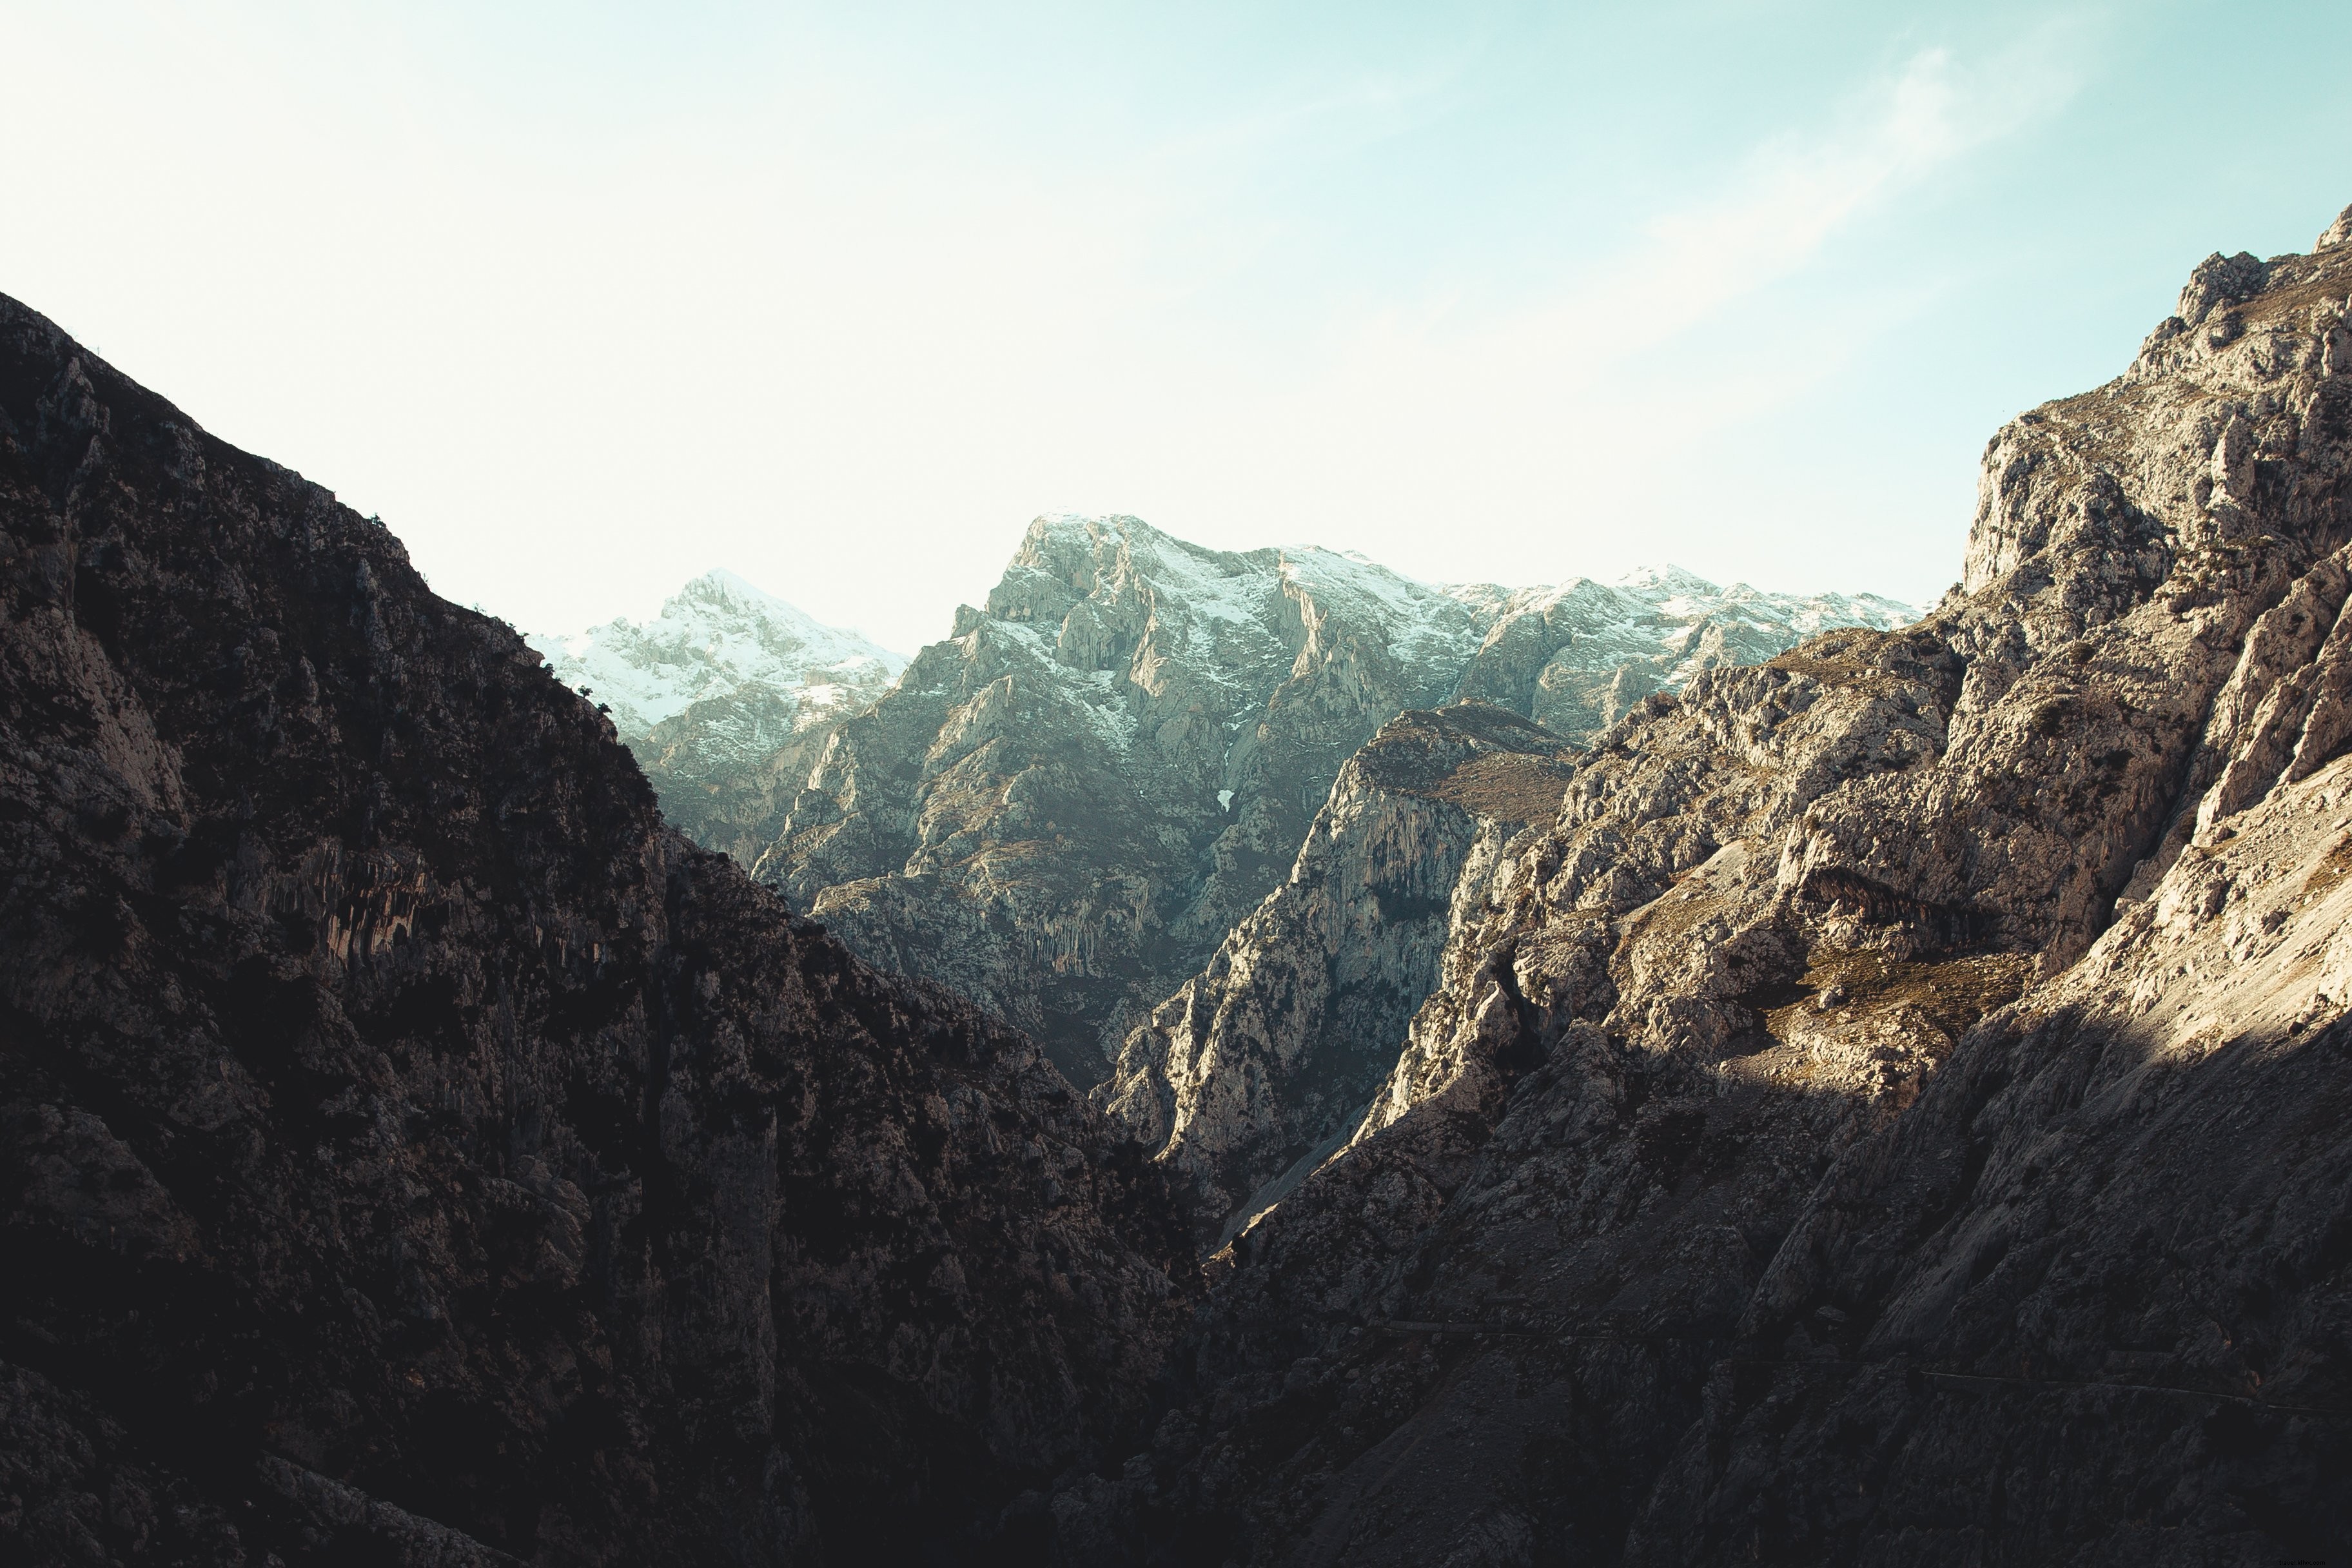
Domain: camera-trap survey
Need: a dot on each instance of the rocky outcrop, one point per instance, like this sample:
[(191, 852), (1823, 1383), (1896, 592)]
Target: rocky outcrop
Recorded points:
[(2125, 1206), (1897, 1110), (727, 698), (1893, 1108), (1063, 811), (413, 1152), (1269, 1055)]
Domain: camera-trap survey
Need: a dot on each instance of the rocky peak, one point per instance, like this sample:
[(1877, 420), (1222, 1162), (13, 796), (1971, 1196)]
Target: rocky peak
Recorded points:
[(1578, 656), (726, 696), (2335, 233), (1663, 586), (1064, 808), (717, 637), (2218, 283)]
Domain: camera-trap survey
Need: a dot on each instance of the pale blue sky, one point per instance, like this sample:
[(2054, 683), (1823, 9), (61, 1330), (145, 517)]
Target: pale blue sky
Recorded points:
[(585, 300)]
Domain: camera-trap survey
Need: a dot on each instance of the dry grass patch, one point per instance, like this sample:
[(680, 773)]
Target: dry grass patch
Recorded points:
[(2329, 874), (1510, 786), (1952, 993)]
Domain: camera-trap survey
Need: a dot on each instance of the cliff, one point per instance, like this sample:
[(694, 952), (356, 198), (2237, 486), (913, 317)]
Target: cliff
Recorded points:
[(1064, 810), (1061, 811)]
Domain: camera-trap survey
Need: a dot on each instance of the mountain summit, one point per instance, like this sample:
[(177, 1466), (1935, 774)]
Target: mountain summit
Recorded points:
[(726, 697), (1063, 807), (1576, 657)]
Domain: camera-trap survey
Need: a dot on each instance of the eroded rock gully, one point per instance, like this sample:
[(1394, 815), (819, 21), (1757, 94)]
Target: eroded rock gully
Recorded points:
[(1896, 1111), (411, 1152)]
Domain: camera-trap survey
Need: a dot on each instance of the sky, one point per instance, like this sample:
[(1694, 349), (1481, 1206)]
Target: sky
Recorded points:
[(585, 300)]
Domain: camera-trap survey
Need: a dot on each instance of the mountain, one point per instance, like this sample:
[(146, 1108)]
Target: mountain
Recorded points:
[(1064, 809), (726, 697), (1269, 1055), (416, 1153), (1892, 1103), (1899, 1107), (1060, 811)]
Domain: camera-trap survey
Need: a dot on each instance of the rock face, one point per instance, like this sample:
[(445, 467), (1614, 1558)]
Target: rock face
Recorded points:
[(415, 1152), (726, 697), (1274, 1049), (1061, 811), (1897, 1110)]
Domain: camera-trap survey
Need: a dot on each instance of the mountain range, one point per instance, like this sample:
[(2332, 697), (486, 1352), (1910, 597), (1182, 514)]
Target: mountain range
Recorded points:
[(1420, 1101), (1064, 808)]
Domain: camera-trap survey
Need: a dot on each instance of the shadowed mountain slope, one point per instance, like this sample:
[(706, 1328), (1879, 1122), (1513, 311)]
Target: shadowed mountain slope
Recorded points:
[(413, 1152)]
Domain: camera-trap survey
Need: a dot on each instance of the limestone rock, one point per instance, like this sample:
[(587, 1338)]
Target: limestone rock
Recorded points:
[(2335, 233), (1061, 811), (1577, 658)]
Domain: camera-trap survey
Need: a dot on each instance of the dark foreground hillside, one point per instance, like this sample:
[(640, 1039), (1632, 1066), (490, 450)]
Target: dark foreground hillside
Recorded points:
[(410, 1150)]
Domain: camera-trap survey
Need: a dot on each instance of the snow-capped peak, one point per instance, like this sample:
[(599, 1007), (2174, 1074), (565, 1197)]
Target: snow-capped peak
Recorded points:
[(1667, 582), (720, 586), (718, 636)]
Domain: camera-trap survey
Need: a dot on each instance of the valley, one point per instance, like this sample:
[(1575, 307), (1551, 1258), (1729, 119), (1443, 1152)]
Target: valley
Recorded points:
[(1227, 1058)]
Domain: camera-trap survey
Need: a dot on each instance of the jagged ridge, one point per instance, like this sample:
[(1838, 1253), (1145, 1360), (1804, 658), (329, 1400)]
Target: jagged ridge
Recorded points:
[(1064, 810)]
